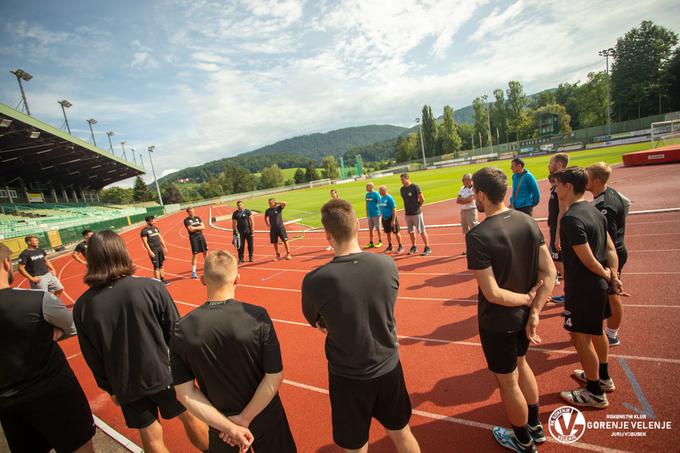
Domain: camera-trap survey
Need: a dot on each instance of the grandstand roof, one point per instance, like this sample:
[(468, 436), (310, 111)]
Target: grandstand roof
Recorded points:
[(54, 157)]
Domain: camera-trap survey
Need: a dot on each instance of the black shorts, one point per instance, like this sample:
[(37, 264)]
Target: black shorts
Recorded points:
[(61, 421), (529, 210), (586, 313), (501, 349), (556, 255), (623, 257), (276, 233), (143, 412), (355, 402), (387, 225), (158, 259), (198, 244)]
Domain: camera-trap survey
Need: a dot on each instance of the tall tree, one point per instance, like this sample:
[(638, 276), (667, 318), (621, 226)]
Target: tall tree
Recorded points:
[(640, 56), (405, 149), (466, 132), (591, 100), (566, 94), (271, 177), (116, 195), (499, 116), (671, 80), (517, 116), (481, 120), (330, 167), (171, 194), (211, 188), (311, 174), (140, 191), (429, 128), (449, 138), (299, 176)]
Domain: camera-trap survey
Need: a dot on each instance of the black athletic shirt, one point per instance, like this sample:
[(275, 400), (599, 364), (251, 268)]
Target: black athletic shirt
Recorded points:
[(228, 347), (615, 209), (124, 330), (582, 224), (242, 220), (193, 221), (152, 235), (553, 209), (410, 196), (34, 261), (82, 248), (32, 364), (354, 297), (509, 243), (274, 216)]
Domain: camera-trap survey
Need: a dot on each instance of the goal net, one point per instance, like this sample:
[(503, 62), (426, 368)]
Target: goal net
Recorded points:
[(665, 133)]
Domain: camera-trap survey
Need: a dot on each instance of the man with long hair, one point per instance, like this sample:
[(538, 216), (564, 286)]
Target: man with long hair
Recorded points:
[(124, 327)]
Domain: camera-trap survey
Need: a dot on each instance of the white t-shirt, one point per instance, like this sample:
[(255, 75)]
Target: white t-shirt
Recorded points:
[(464, 193)]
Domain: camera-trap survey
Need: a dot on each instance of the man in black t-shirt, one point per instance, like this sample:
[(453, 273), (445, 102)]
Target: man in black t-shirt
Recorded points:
[(515, 275), (37, 385), (34, 265), (413, 201), (615, 208), (590, 272), (231, 348), (124, 328), (274, 220), (242, 223), (195, 227), (155, 247), (558, 162), (351, 300), (80, 252)]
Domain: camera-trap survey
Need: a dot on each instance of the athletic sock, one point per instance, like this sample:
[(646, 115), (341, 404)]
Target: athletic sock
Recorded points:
[(594, 387), (193, 269), (522, 434), (533, 415), (604, 371), (613, 333)]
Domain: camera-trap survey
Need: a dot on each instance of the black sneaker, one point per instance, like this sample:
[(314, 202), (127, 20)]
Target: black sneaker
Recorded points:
[(426, 251), (506, 438), (400, 249), (413, 250), (537, 433), (240, 261), (250, 260), (388, 249), (165, 282)]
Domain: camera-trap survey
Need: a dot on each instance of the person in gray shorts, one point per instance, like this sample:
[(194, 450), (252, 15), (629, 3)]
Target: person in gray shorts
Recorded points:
[(413, 201), (34, 265), (373, 215)]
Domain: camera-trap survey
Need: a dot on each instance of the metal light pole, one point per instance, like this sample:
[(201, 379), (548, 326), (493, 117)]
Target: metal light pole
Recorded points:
[(25, 76), (150, 149), (133, 155), (92, 121), (422, 142), (65, 105), (488, 121), (141, 160), (109, 134), (122, 145), (606, 53)]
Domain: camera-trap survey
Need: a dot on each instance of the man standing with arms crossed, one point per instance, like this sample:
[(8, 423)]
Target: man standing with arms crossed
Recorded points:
[(525, 193), (615, 208), (557, 163), (155, 246), (373, 215), (195, 227), (231, 348), (34, 265), (351, 300), (468, 208), (388, 209), (274, 220), (515, 275), (242, 223), (413, 201), (80, 252)]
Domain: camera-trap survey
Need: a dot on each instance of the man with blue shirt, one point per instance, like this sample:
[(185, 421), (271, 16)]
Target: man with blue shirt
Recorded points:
[(388, 210), (373, 215), (525, 194)]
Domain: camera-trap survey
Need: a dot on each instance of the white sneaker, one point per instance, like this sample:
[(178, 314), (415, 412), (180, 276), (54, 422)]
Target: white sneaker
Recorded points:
[(607, 384), (583, 397)]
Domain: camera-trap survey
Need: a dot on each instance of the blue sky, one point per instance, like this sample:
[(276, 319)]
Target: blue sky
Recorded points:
[(203, 80)]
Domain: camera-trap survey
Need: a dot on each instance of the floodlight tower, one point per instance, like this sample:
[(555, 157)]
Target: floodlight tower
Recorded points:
[(488, 121), (422, 142), (109, 134), (122, 145), (606, 53), (133, 155), (25, 76), (65, 105), (158, 189), (92, 121)]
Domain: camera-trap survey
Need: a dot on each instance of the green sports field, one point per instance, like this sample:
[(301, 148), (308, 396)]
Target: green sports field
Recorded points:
[(437, 185)]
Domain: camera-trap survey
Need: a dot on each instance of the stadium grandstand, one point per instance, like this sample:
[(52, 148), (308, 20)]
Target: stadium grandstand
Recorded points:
[(49, 184)]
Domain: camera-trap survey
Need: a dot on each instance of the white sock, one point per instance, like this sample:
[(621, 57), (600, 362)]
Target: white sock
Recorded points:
[(193, 269), (612, 332)]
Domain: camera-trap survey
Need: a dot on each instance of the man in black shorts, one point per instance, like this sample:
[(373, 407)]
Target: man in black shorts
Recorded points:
[(242, 223), (515, 274), (42, 406), (558, 162), (615, 208), (590, 273), (231, 348), (34, 265), (124, 327), (80, 252), (390, 222), (195, 227), (351, 300), (155, 247), (274, 220)]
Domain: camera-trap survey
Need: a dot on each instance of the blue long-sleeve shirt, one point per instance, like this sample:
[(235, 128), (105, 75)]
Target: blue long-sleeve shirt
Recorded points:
[(527, 192)]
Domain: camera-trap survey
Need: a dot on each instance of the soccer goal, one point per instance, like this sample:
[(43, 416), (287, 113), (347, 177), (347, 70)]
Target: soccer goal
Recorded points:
[(665, 133)]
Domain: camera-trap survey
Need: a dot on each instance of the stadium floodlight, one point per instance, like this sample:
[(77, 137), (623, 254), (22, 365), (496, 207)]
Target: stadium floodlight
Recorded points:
[(488, 123), (5, 122), (92, 121), (65, 105), (422, 142), (35, 134), (109, 134), (25, 76), (133, 155), (155, 181), (606, 53), (122, 145)]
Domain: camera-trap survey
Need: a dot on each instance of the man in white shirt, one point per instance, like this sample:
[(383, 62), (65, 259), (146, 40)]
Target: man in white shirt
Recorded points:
[(468, 208)]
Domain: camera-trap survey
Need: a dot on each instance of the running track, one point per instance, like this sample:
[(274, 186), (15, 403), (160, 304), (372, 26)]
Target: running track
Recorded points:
[(454, 397)]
